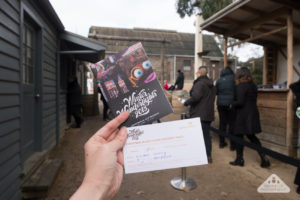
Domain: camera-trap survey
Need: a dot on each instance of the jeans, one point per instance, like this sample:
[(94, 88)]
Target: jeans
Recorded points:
[(207, 139), (226, 118)]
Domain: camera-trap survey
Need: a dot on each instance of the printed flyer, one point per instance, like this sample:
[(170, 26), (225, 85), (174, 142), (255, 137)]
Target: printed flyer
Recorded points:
[(128, 83)]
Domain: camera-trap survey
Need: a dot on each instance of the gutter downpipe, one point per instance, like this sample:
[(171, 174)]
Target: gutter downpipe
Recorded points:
[(174, 67), (58, 93)]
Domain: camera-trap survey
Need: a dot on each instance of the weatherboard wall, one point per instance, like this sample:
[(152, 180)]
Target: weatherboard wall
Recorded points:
[(11, 164), (10, 160)]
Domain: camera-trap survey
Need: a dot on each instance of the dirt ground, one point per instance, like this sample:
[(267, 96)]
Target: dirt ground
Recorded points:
[(216, 181)]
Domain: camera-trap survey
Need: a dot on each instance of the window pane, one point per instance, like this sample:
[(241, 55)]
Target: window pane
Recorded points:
[(24, 55), (29, 38), (30, 74), (186, 63), (24, 73), (28, 54), (24, 34)]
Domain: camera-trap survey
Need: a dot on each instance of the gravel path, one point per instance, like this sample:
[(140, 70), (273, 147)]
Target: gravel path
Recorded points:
[(216, 181)]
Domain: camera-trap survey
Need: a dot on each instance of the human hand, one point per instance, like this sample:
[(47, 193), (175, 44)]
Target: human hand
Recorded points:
[(185, 103), (104, 162)]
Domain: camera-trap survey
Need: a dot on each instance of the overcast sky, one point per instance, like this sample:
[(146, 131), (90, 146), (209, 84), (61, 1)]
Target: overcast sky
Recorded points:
[(79, 15)]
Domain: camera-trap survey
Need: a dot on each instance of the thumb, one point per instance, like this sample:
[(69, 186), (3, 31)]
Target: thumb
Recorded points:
[(119, 141)]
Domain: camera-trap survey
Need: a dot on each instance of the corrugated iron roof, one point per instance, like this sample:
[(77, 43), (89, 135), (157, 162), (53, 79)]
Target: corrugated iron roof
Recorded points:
[(229, 20), (178, 43)]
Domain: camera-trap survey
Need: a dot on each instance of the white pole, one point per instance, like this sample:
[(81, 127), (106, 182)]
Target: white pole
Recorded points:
[(174, 67), (198, 43)]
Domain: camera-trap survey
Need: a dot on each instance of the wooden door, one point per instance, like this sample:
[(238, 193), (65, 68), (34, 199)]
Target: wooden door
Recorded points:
[(29, 85)]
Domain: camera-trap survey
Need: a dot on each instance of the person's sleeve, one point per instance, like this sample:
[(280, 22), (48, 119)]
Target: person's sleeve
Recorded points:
[(240, 97), (295, 87), (196, 96), (234, 90)]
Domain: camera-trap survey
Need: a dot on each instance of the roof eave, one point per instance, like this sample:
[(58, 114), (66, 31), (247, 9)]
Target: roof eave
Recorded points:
[(78, 39), (228, 9), (52, 14)]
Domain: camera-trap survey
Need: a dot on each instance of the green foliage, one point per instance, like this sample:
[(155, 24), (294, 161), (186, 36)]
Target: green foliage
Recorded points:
[(220, 41), (257, 74), (208, 7), (184, 7)]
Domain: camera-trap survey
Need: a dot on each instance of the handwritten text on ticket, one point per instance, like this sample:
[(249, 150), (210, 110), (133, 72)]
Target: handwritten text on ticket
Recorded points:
[(164, 145)]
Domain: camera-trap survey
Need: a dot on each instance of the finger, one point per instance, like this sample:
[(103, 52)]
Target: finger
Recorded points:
[(119, 141), (99, 139), (113, 135), (111, 126), (95, 139), (120, 157)]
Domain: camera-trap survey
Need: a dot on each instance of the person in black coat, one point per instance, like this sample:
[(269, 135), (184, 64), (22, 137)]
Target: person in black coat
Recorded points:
[(74, 100), (247, 115), (180, 80), (202, 100), (226, 92), (295, 87)]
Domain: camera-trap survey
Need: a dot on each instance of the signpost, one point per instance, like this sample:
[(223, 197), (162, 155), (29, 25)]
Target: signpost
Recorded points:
[(183, 183)]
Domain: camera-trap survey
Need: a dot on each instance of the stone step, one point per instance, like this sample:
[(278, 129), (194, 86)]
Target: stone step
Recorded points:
[(32, 164), (40, 181)]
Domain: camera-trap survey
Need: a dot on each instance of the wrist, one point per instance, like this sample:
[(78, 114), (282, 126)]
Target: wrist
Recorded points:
[(88, 190)]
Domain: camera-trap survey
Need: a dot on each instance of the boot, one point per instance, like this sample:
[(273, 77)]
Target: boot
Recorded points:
[(298, 190), (222, 145), (232, 148), (209, 159), (237, 162), (265, 163)]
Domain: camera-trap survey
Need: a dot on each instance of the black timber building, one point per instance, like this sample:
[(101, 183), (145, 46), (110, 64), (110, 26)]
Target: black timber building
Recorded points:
[(179, 49), (36, 57)]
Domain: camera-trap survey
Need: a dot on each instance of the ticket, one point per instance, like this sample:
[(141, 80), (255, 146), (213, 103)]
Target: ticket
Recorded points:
[(164, 146)]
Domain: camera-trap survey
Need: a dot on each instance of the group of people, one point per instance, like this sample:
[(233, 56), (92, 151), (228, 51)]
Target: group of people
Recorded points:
[(236, 104), (74, 103), (178, 83), (238, 113)]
